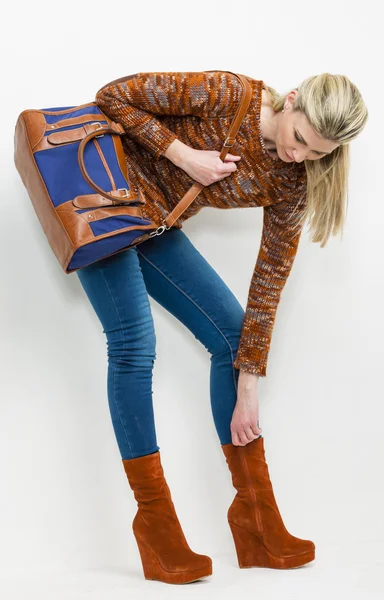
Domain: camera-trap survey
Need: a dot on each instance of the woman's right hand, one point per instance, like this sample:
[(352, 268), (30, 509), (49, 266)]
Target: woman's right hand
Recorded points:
[(203, 166), (206, 167)]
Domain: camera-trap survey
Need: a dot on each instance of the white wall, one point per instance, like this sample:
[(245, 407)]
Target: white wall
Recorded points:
[(65, 502)]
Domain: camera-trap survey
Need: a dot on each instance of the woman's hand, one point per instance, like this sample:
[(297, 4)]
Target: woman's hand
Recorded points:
[(206, 167), (203, 166), (245, 418)]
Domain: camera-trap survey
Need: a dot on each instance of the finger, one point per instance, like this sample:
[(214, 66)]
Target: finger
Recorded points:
[(250, 434), (229, 162), (256, 429), (228, 168), (235, 439), (232, 157), (244, 438)]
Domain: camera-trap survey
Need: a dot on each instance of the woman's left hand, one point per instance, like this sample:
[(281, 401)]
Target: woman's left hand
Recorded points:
[(245, 418)]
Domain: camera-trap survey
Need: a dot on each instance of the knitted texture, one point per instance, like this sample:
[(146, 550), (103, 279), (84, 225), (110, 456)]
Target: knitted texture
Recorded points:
[(197, 108)]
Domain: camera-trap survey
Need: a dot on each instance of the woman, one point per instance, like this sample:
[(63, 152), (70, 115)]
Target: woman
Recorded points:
[(291, 157)]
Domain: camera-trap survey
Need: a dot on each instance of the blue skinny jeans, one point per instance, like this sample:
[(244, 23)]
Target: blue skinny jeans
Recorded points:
[(173, 272)]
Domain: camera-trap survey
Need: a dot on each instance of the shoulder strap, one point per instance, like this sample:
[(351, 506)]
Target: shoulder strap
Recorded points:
[(196, 188)]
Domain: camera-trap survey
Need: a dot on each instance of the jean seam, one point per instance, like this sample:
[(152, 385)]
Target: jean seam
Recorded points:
[(117, 368), (199, 307)]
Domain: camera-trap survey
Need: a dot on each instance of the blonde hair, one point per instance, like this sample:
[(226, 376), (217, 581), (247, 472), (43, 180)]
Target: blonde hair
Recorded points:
[(335, 109)]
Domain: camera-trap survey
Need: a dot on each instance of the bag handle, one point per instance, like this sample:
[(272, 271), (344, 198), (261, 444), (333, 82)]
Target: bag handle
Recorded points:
[(115, 129)]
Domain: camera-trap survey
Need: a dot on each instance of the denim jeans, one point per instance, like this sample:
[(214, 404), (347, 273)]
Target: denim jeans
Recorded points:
[(172, 271)]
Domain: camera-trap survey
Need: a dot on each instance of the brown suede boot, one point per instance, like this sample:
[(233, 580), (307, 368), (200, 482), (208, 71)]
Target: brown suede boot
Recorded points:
[(260, 537), (164, 550)]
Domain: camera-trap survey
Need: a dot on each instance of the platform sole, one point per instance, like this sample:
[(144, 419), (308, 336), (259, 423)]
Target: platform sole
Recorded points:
[(153, 570), (251, 552)]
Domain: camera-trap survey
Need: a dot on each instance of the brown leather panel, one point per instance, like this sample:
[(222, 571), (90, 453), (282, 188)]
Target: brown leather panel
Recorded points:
[(75, 121), (121, 158), (141, 197), (100, 212), (72, 135), (92, 200), (118, 127), (81, 132), (77, 223), (80, 231), (43, 145), (77, 228), (103, 213), (35, 126), (58, 239)]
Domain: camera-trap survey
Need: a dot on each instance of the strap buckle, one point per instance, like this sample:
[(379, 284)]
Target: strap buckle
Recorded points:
[(229, 142), (159, 230), (100, 126)]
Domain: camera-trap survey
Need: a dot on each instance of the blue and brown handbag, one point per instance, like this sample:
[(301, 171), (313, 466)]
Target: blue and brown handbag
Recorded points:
[(72, 163)]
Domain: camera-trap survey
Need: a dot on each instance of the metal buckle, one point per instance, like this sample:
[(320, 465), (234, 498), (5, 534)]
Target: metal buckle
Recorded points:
[(226, 145), (123, 190), (159, 230), (100, 126)]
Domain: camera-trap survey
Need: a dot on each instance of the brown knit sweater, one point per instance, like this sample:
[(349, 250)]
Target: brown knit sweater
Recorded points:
[(198, 108)]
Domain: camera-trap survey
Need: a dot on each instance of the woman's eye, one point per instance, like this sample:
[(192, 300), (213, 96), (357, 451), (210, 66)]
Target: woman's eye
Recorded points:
[(299, 140)]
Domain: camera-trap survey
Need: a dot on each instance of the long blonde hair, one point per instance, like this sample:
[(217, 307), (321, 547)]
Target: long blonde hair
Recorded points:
[(335, 109)]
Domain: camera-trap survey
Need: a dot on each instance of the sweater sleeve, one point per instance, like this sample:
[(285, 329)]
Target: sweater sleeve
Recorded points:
[(139, 101), (278, 247)]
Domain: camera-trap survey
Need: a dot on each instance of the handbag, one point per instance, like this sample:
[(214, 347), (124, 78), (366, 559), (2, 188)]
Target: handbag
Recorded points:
[(72, 163)]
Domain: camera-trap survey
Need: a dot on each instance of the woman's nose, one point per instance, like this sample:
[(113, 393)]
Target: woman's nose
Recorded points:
[(299, 155)]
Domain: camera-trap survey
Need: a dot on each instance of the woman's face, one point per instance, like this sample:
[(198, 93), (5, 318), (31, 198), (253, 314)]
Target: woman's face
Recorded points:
[(295, 136)]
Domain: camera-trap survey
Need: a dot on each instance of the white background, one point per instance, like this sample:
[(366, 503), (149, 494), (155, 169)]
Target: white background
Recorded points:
[(65, 503)]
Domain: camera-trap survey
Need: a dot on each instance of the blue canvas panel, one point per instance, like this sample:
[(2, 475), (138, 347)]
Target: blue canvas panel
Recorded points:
[(58, 108), (108, 148), (110, 224), (60, 170), (99, 249), (89, 110)]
